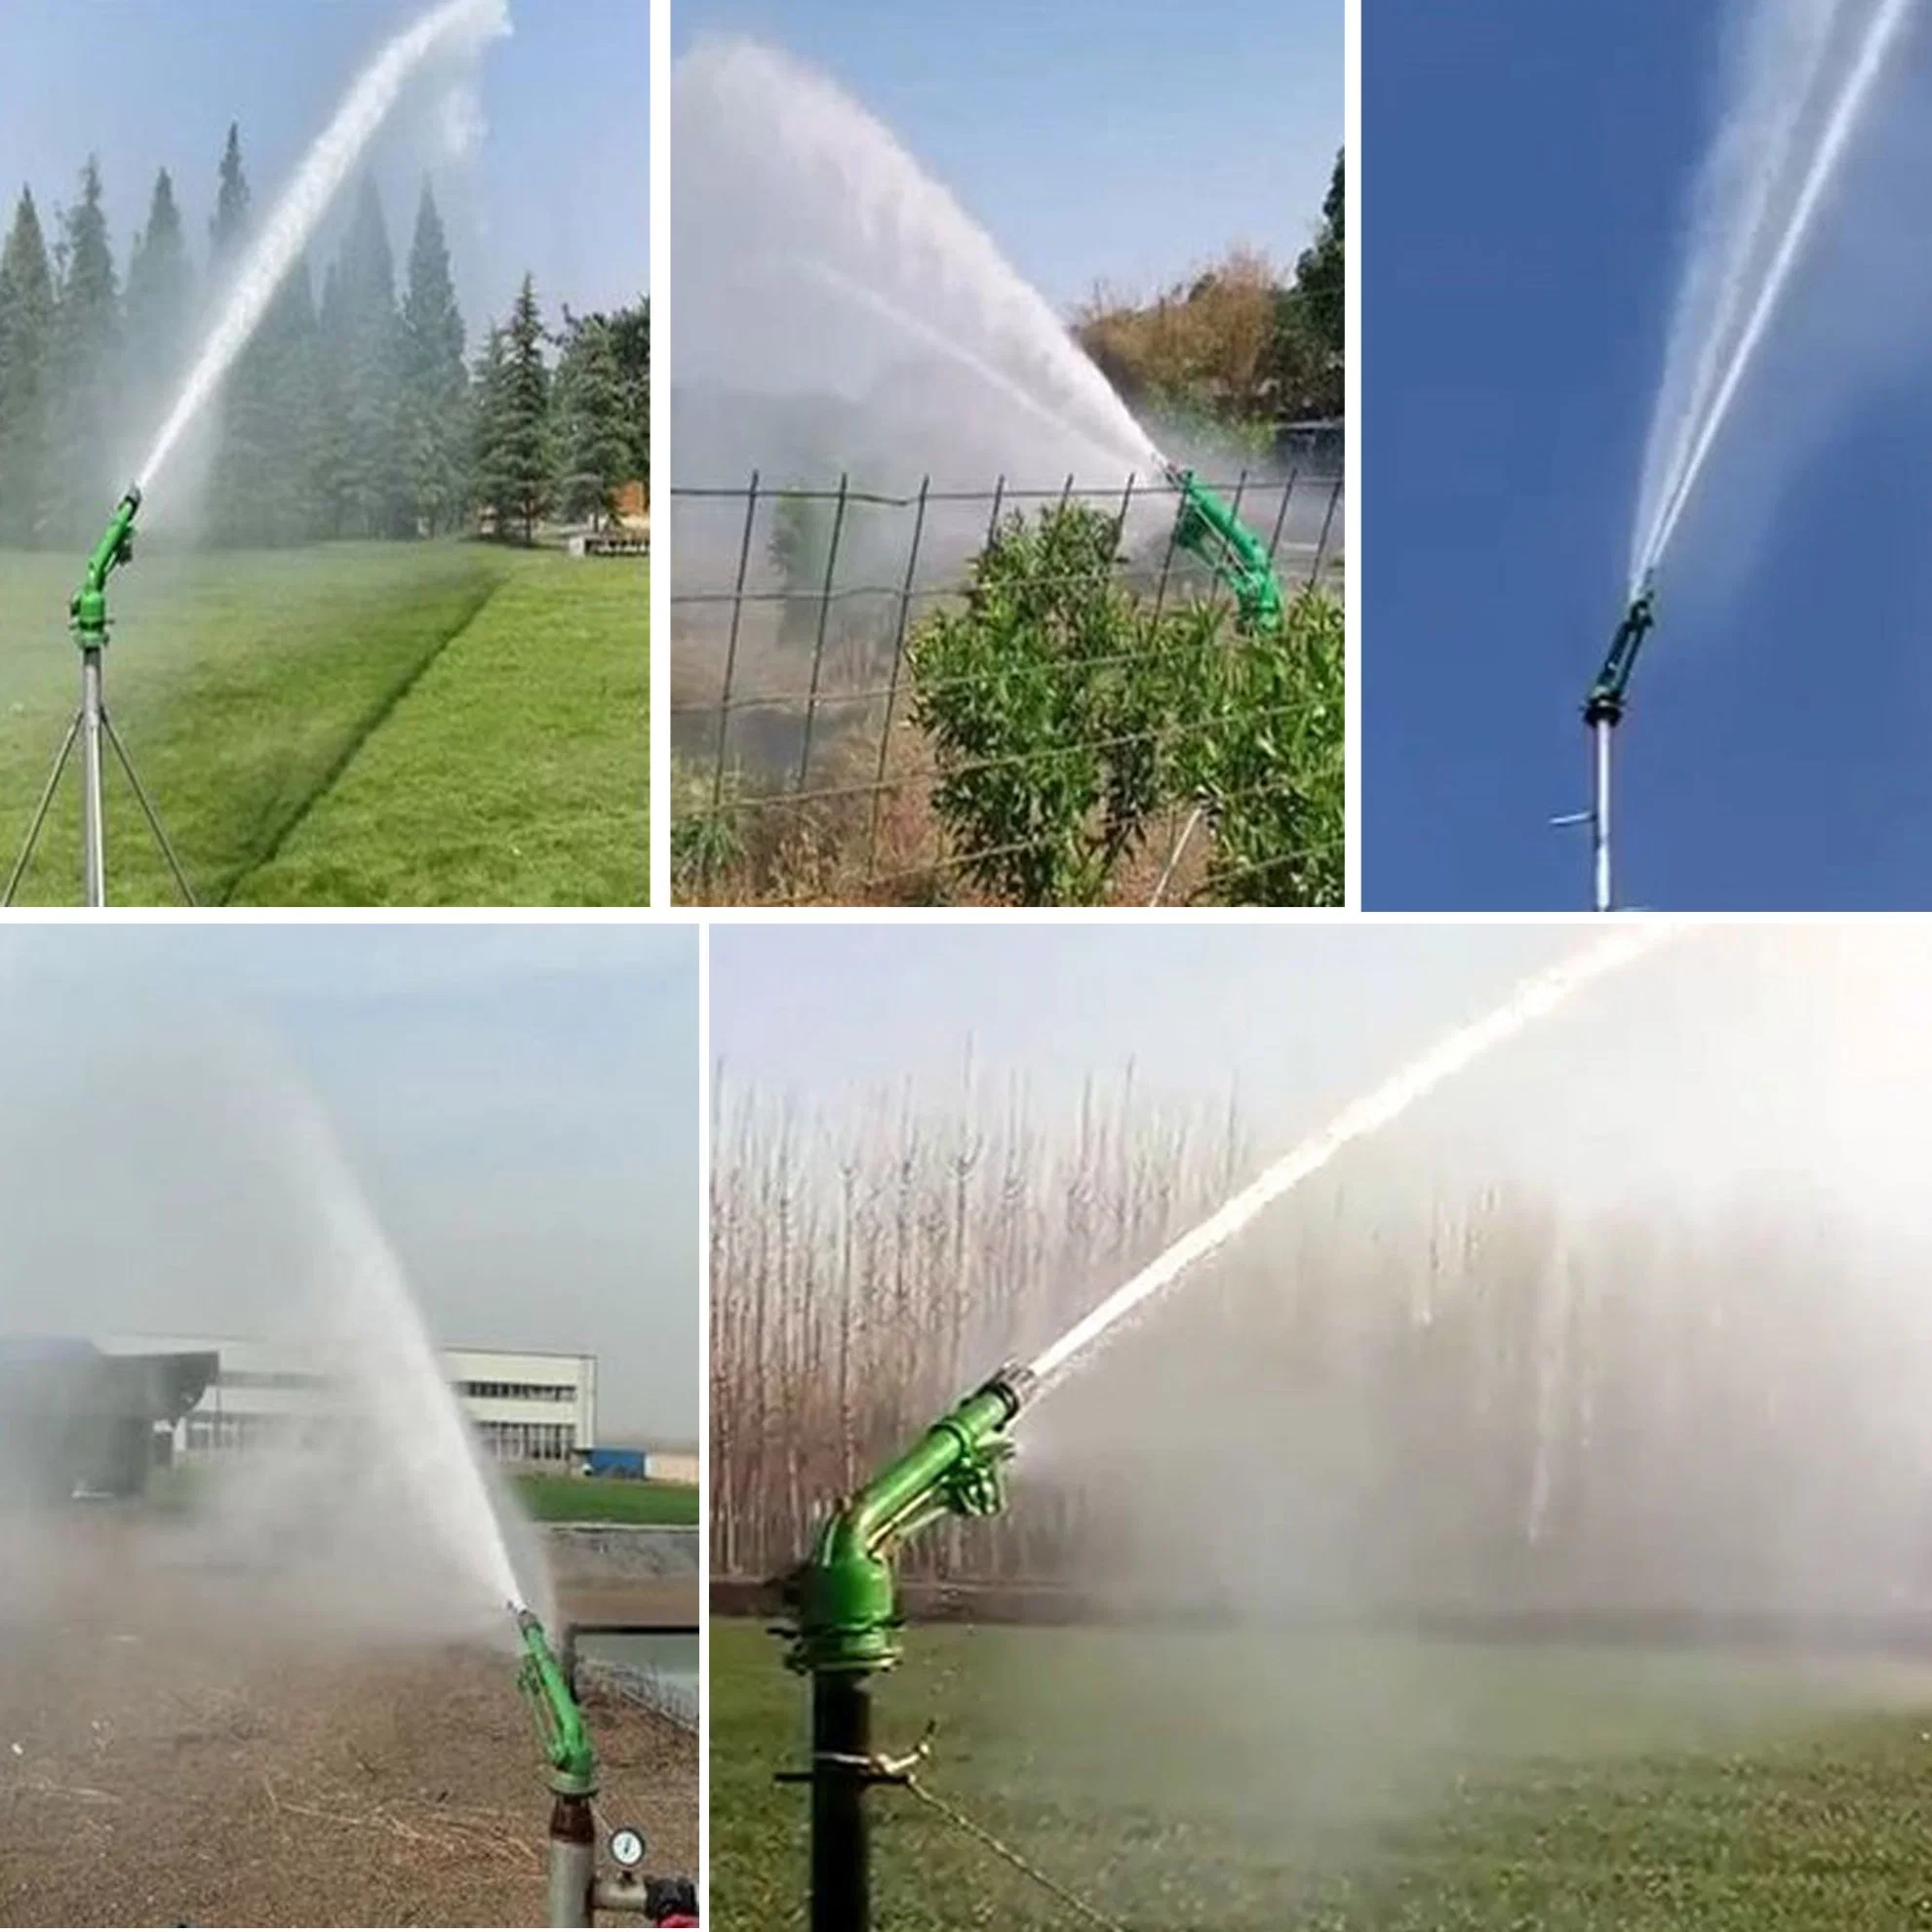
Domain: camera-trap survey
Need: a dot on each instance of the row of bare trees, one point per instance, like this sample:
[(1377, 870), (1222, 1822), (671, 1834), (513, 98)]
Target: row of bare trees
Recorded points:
[(1391, 1394)]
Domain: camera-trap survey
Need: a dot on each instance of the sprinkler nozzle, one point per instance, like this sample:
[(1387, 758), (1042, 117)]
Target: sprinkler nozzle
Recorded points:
[(1604, 704), (559, 1721), (845, 1594), (1209, 527), (88, 607)]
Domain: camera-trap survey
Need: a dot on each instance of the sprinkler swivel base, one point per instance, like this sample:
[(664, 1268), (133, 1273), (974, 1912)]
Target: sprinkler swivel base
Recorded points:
[(846, 1596)]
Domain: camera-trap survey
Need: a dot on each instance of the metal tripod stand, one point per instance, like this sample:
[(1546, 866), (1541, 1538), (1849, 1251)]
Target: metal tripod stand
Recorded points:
[(90, 726)]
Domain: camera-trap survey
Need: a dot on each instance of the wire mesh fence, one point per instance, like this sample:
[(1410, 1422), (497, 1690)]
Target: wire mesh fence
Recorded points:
[(802, 770)]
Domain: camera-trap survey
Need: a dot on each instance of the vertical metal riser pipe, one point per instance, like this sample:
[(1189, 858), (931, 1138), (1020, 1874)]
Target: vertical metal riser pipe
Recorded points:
[(94, 837), (1599, 814), (841, 1756)]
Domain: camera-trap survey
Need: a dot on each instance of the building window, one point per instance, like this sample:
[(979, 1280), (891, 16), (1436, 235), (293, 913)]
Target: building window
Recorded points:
[(518, 1391), (528, 1441)]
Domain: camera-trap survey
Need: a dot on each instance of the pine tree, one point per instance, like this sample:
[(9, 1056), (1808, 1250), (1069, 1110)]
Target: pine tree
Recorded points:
[(329, 457), (435, 384), (160, 299), (630, 342), (229, 226), (490, 480), (594, 430), (27, 345), (523, 438), (375, 494), (292, 377), (250, 453), (86, 337)]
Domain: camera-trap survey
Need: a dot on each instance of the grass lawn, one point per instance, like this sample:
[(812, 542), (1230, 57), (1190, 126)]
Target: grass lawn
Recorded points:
[(349, 723), (1234, 1782), (606, 1499)]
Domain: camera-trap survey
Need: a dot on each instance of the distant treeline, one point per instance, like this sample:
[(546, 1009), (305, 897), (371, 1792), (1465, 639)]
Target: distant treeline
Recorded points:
[(1384, 1397), (1237, 344), (357, 415)]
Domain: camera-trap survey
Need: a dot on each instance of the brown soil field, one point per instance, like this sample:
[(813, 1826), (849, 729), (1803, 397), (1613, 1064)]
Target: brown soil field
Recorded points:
[(178, 1747)]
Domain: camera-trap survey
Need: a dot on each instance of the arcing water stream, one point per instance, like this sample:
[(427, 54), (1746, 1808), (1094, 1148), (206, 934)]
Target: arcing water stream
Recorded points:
[(1534, 1000), (456, 26), (816, 257), (1805, 73), (375, 1332)]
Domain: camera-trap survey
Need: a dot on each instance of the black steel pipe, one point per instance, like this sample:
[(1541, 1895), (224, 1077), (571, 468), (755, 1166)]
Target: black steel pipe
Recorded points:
[(841, 1770)]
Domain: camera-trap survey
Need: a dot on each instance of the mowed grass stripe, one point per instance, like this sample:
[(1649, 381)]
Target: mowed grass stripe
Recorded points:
[(515, 771), (241, 684)]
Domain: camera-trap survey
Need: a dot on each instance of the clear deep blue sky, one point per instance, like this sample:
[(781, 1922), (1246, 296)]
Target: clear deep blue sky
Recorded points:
[(560, 184), (520, 1102), (1525, 167), (1123, 142)]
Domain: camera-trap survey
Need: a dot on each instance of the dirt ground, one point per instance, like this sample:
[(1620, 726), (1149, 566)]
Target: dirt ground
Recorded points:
[(179, 1749)]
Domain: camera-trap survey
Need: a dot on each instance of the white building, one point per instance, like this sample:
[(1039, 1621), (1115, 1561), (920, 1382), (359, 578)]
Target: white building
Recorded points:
[(525, 1406)]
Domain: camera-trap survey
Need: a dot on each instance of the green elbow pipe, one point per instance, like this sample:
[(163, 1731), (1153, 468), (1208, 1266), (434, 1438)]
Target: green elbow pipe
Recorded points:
[(1209, 529), (566, 1741), (89, 605), (847, 1593)]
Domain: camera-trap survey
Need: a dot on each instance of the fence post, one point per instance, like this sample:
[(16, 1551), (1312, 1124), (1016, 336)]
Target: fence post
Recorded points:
[(731, 664), (1282, 515), (892, 682), (998, 503), (1328, 525), (824, 614), (1166, 564)]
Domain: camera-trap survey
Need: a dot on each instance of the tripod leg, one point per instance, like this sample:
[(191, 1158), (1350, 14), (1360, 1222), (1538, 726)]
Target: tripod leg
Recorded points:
[(40, 812), (153, 817)]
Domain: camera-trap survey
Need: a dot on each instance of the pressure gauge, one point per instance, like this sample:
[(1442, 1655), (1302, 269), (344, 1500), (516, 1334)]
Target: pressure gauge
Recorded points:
[(627, 1847)]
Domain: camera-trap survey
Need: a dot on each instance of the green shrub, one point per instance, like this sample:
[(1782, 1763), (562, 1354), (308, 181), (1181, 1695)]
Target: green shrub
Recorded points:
[(1046, 713), (1064, 717)]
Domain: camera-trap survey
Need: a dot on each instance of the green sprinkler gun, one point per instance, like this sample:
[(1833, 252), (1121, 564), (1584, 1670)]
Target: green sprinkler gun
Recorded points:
[(559, 1722), (1209, 527), (575, 1893), (846, 1600), (88, 607), (91, 729)]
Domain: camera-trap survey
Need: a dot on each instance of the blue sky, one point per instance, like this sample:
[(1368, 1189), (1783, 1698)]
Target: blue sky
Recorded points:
[(1116, 140), (1526, 168), (560, 184), (520, 1103)]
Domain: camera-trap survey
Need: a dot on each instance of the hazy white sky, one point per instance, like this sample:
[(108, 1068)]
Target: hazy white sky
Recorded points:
[(520, 1103), (1792, 1060)]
